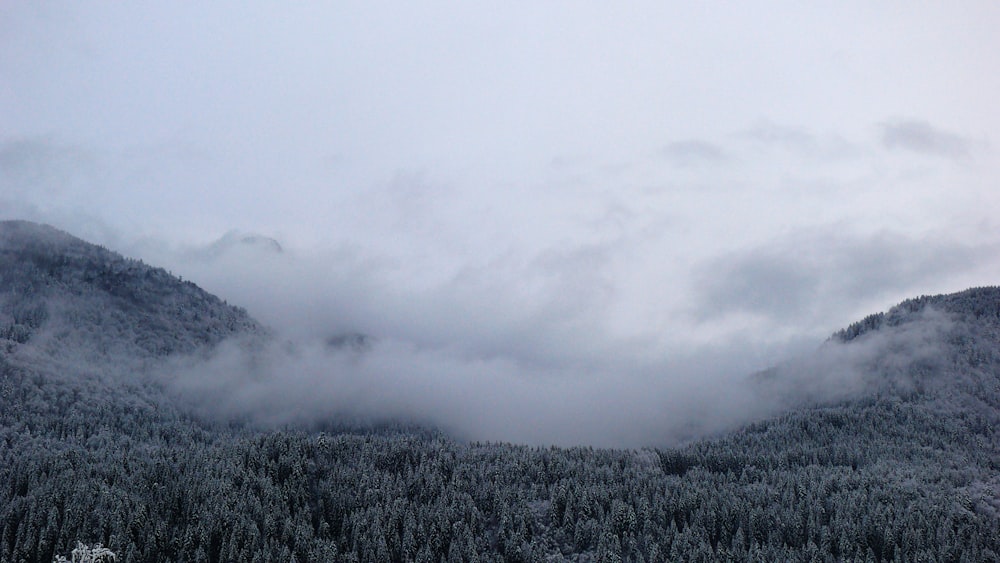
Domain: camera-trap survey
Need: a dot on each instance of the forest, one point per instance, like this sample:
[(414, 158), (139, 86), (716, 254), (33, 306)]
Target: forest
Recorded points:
[(94, 449)]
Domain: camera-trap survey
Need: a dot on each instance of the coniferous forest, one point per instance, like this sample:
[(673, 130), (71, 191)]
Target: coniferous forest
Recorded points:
[(95, 450)]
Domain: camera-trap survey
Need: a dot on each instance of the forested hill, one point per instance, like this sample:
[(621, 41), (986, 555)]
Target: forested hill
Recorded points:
[(906, 467), (78, 300)]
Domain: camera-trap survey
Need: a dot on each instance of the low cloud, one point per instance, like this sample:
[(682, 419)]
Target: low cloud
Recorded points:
[(923, 138), (898, 359), (502, 399), (472, 397)]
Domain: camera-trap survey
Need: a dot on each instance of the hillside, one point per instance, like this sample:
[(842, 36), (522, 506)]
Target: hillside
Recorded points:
[(903, 467), (69, 297)]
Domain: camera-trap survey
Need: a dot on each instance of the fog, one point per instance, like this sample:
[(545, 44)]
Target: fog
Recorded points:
[(501, 365), (485, 359)]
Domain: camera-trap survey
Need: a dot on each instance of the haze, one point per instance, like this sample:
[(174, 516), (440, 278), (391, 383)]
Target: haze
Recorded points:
[(590, 210)]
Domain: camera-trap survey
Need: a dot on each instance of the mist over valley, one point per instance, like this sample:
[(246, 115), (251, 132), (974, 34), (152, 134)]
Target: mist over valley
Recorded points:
[(441, 282)]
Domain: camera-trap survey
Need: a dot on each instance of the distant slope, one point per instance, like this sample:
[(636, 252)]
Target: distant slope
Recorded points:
[(78, 300)]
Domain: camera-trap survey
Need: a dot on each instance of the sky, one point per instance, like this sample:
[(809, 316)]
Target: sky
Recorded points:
[(639, 196)]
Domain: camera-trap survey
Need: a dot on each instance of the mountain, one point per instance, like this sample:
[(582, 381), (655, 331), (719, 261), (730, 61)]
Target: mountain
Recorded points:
[(901, 464)]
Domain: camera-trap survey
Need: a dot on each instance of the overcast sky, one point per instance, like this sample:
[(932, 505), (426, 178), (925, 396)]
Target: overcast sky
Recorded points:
[(555, 184)]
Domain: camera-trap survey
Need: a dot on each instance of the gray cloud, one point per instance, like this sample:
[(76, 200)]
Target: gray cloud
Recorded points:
[(801, 141), (921, 137), (796, 138), (810, 274), (759, 281), (693, 152), (894, 263)]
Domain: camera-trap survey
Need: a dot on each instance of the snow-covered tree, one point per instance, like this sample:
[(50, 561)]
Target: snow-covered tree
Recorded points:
[(85, 554)]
